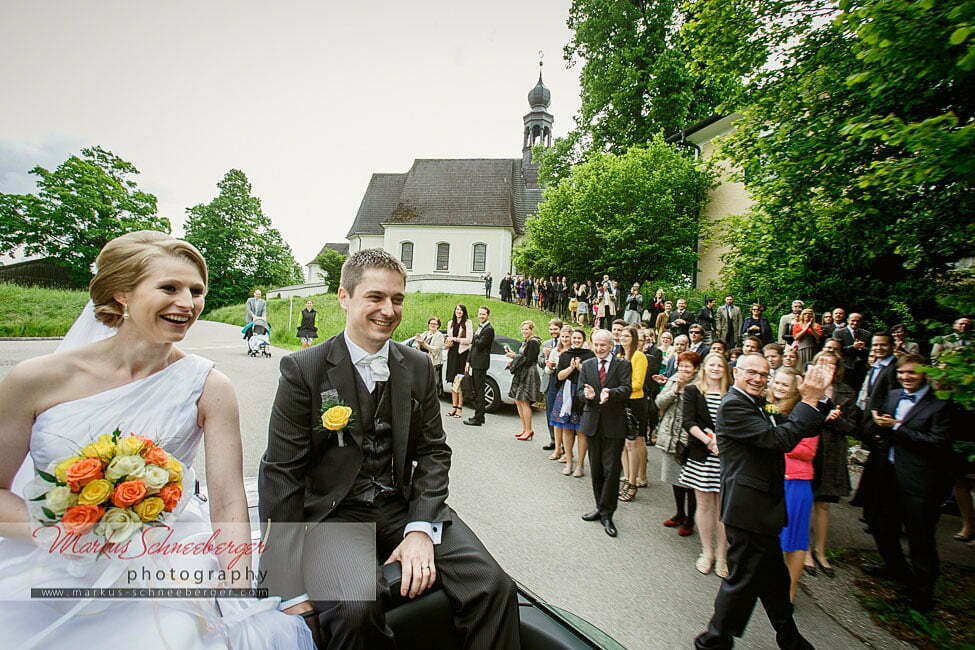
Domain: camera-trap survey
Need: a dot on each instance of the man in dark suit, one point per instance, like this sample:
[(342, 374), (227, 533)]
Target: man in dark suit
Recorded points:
[(385, 467), (680, 319), (697, 343), (604, 387), (856, 349), (478, 363), (706, 319), (752, 446), (916, 426)]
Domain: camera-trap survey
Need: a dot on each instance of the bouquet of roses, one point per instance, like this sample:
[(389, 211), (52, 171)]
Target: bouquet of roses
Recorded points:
[(114, 487)]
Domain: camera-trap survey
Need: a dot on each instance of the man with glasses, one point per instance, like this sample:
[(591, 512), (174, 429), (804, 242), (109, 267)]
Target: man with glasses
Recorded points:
[(752, 444), (697, 342)]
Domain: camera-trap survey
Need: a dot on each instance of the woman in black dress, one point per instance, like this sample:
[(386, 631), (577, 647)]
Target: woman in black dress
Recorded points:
[(307, 331), (460, 333), (525, 384)]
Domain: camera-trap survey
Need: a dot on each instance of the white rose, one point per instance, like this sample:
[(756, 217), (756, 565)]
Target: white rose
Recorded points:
[(122, 466), (154, 476), (60, 499), (118, 525)]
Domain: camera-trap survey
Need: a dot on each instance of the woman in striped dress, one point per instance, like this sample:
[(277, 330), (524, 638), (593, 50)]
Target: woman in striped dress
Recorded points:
[(702, 471)]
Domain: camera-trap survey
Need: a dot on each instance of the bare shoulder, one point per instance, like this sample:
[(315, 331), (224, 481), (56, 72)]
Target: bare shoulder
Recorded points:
[(218, 393)]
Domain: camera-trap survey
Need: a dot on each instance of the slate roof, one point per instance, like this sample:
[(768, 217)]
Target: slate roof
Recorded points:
[(339, 247), (448, 192)]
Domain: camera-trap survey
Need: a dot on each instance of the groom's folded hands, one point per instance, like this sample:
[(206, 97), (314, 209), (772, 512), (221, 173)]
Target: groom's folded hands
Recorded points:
[(415, 555)]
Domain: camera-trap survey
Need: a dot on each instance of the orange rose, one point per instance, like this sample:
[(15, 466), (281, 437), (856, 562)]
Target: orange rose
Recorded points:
[(78, 520), (156, 456), (171, 494), (128, 493), (84, 472), (146, 443)]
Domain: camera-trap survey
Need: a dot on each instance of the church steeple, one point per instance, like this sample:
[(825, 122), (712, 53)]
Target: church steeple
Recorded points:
[(538, 127)]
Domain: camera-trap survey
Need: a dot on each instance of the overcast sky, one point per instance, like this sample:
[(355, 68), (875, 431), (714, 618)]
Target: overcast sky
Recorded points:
[(307, 98)]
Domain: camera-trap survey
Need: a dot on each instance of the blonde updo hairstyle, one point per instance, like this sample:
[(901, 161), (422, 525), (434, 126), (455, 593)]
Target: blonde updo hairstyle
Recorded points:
[(124, 262)]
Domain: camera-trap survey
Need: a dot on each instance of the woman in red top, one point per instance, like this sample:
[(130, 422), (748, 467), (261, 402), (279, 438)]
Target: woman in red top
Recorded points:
[(806, 334)]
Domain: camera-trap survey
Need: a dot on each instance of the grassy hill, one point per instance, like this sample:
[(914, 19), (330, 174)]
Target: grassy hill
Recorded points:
[(419, 308), (33, 311)]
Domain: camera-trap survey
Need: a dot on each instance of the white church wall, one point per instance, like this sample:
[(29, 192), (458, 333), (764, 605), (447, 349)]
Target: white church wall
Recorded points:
[(459, 277)]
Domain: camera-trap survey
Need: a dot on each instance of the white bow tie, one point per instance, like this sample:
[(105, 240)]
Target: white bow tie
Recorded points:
[(377, 366)]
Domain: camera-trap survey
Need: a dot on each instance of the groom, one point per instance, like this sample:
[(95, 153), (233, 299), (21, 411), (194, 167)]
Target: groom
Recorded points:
[(388, 468)]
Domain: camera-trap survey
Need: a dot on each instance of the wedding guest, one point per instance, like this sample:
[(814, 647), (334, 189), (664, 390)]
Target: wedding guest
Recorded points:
[(681, 319), (901, 345), (706, 318), (806, 334), (307, 331), (563, 342), (733, 355), (548, 381), (650, 390), (432, 342), (702, 470), (634, 306), (697, 343), (827, 327), (662, 318), (755, 324), (256, 306), (831, 477), (856, 346), (836, 348), (751, 345), (679, 347), (665, 341), (787, 321), (672, 442), (790, 359), (728, 322), (656, 306), (783, 395), (837, 319), (460, 333), (478, 362), (773, 354), (525, 380), (635, 448), (566, 411), (719, 347), (961, 335), (582, 309)]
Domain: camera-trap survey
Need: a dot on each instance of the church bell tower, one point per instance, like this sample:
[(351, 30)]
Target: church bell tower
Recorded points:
[(538, 128)]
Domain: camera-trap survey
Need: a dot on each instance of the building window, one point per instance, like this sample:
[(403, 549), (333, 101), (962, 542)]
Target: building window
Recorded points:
[(406, 254), (479, 260), (443, 256)]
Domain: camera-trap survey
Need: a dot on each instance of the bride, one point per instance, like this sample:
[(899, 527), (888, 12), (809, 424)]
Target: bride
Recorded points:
[(148, 291)]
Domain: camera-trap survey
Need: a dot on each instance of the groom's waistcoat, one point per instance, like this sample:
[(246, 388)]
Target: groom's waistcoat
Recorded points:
[(376, 473)]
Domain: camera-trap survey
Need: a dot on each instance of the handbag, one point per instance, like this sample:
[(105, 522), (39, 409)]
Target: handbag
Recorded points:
[(467, 385), (680, 452)]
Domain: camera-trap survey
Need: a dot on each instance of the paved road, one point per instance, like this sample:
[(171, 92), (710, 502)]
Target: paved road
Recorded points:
[(641, 588)]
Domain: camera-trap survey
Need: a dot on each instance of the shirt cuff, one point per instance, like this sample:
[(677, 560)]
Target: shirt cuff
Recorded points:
[(433, 530), (294, 601)]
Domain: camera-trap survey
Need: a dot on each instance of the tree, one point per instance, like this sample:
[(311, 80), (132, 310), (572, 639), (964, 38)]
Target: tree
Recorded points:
[(859, 158), (638, 79), (78, 208), (635, 216), (331, 264), (243, 251)]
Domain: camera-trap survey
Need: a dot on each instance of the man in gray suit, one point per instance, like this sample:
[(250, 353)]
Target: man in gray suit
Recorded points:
[(387, 467), (728, 322), (256, 306)]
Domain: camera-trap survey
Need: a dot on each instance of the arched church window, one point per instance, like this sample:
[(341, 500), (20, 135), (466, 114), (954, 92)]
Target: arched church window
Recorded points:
[(479, 259), (443, 256), (406, 254)]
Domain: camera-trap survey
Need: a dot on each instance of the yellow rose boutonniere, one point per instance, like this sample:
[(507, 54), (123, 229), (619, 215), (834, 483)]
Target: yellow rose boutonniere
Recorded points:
[(336, 415), (771, 409)]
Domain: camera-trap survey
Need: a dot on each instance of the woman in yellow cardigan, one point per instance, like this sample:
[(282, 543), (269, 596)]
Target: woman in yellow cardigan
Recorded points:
[(635, 451)]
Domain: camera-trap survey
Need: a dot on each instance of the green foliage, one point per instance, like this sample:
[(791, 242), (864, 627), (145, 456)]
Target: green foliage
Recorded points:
[(638, 79), (33, 311), (417, 310), (78, 208), (331, 264), (635, 216), (243, 251), (856, 146)]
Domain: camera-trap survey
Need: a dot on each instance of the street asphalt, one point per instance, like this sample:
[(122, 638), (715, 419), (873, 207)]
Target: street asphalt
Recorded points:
[(641, 588)]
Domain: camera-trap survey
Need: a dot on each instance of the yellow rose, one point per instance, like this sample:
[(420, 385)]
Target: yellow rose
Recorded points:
[(102, 449), (130, 446), (96, 492), (61, 469), (336, 418), (175, 469), (149, 509)]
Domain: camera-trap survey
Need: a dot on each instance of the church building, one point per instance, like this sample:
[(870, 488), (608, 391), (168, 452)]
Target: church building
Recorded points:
[(452, 221)]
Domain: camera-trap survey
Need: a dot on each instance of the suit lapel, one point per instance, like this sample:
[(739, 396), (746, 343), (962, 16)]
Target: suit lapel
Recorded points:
[(399, 387), (919, 408), (341, 376)]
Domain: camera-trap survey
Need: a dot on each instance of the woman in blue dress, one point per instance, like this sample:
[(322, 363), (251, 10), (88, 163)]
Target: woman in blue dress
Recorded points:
[(566, 414)]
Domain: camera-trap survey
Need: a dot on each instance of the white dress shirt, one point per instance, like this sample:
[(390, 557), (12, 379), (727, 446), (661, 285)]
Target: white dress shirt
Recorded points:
[(904, 407)]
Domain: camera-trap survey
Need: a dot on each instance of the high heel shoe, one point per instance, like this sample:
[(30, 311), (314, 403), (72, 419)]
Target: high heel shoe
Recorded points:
[(556, 455), (827, 570), (567, 470), (456, 412), (526, 436), (579, 473), (721, 568)]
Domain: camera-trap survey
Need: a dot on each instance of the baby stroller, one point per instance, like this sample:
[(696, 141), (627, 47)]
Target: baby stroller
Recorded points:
[(257, 333)]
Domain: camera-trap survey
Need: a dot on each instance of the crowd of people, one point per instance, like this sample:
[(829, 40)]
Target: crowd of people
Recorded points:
[(681, 366)]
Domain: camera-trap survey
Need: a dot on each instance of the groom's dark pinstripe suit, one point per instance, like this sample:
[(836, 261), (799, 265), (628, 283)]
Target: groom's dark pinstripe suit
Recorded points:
[(306, 476)]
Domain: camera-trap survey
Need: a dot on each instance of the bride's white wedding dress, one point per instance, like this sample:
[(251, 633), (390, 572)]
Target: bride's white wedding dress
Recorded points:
[(162, 407)]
